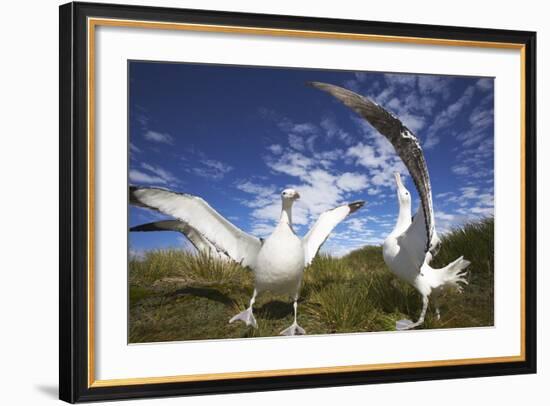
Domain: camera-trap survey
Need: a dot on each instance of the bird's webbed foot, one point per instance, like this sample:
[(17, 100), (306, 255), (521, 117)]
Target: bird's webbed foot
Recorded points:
[(247, 316), (293, 330), (406, 325)]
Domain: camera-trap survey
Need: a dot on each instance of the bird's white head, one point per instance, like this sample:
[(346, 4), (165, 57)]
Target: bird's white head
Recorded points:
[(289, 195), (403, 194)]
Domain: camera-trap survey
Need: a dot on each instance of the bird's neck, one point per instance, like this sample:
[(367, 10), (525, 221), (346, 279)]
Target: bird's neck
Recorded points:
[(403, 219), (286, 213)]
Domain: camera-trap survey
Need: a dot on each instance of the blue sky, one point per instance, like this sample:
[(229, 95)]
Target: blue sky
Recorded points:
[(237, 136)]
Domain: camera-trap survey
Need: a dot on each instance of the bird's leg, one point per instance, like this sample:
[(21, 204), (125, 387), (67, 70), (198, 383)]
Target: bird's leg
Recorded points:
[(436, 305), (247, 316), (294, 328), (407, 324)]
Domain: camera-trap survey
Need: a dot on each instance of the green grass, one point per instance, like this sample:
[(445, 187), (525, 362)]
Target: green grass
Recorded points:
[(176, 295)]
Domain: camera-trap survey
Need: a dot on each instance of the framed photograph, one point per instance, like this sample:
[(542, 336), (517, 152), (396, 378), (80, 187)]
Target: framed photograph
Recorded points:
[(257, 202)]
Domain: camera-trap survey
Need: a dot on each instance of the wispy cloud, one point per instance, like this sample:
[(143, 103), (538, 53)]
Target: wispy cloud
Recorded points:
[(151, 174), (134, 149), (446, 117), (200, 164), (379, 158), (137, 176), (275, 149), (333, 130), (167, 176), (155, 136), (468, 203), (213, 169)]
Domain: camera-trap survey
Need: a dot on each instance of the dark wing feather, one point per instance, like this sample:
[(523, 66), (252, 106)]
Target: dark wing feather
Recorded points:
[(403, 140), (199, 241)]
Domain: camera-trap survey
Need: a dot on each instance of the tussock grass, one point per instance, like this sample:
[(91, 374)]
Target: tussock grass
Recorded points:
[(177, 295), (342, 307)]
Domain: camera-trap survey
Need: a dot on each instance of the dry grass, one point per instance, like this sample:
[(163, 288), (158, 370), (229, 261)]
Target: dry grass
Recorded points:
[(176, 295)]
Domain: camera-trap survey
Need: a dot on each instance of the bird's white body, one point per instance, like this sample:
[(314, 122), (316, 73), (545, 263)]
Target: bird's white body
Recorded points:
[(400, 249), (280, 262), (405, 257)]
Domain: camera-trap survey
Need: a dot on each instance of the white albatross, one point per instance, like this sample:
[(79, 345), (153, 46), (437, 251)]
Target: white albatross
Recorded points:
[(411, 246), (278, 262), (403, 253)]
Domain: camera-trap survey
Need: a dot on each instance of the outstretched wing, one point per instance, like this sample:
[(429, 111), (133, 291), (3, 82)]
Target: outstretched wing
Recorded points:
[(208, 223), (324, 226), (198, 241), (403, 140)]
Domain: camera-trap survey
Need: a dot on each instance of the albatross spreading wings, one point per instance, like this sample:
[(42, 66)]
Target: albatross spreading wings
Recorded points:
[(208, 230), (403, 140)]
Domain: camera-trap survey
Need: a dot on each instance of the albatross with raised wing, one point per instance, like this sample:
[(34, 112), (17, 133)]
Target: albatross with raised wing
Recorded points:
[(278, 262), (411, 246)]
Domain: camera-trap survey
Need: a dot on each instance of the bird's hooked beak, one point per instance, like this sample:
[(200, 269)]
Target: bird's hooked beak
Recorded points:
[(297, 196), (398, 181)]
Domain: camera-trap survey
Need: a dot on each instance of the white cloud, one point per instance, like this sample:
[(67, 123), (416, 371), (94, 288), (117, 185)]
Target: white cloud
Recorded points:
[(358, 224), (161, 173), (156, 136), (326, 159), (352, 182), (400, 79), (460, 169), (217, 168), (199, 164), (134, 149), (481, 117), (263, 195), (446, 117), (292, 163), (276, 149), (137, 176), (254, 188), (296, 142), (471, 203), (485, 84), (303, 128), (333, 130), (435, 84), (380, 160), (151, 174), (366, 155)]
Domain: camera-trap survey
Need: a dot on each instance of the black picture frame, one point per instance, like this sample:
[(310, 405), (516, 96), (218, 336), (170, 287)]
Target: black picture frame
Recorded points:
[(74, 199)]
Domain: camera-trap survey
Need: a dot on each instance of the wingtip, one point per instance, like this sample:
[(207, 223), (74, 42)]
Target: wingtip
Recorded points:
[(318, 85), (353, 207)]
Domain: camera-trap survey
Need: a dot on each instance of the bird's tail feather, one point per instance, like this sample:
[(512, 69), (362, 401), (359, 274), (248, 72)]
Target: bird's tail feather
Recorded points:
[(451, 276)]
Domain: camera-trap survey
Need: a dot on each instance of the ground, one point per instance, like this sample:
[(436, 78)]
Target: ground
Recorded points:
[(177, 295)]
